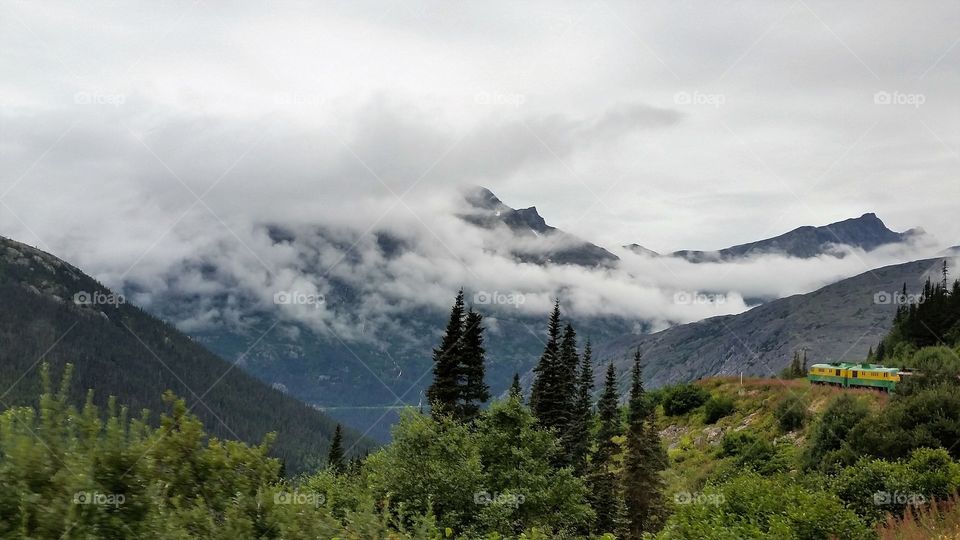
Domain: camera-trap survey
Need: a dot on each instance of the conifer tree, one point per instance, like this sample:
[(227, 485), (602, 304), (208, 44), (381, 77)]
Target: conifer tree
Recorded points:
[(444, 393), (582, 412), (473, 390), (545, 398), (335, 459), (644, 460), (566, 399), (516, 391), (605, 492)]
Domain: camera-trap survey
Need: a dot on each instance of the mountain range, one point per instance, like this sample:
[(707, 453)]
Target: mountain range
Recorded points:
[(55, 314), (364, 379), (866, 232), (363, 382)]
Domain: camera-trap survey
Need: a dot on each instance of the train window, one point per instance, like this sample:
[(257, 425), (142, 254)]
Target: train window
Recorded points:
[(854, 374), (838, 373)]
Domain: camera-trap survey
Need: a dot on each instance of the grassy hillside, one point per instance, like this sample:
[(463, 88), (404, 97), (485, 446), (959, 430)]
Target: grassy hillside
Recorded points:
[(117, 349), (693, 444)]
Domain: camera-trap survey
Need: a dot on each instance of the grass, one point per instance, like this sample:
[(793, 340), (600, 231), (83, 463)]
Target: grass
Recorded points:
[(939, 520)]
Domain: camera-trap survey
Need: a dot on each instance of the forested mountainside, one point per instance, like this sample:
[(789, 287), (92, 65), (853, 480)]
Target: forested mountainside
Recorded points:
[(53, 313)]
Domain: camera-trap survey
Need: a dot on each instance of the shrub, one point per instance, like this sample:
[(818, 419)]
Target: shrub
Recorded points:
[(683, 398), (716, 408), (753, 506), (791, 412), (874, 487), (828, 446), (751, 452)]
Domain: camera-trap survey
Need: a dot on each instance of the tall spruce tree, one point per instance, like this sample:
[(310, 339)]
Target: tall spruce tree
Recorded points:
[(516, 391), (582, 413), (335, 458), (604, 488), (444, 392), (473, 390), (643, 462), (547, 403), (566, 401)]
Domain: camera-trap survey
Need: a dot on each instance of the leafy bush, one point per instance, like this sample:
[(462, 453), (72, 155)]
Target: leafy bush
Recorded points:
[(496, 477), (683, 398), (828, 447), (791, 412), (716, 408), (929, 418), (84, 474), (753, 506), (874, 487), (751, 452)]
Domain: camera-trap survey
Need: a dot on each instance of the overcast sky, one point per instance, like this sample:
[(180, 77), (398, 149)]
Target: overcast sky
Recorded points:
[(126, 128)]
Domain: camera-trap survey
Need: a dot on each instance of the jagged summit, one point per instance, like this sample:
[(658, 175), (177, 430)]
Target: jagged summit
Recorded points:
[(552, 246)]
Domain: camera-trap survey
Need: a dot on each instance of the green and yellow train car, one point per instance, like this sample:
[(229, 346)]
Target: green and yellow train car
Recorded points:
[(850, 375)]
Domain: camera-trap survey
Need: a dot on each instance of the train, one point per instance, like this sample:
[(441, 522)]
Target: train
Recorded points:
[(856, 375)]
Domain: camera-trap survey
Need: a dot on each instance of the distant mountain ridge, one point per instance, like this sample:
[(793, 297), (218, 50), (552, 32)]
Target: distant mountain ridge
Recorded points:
[(867, 232), (118, 349), (556, 246), (837, 322)]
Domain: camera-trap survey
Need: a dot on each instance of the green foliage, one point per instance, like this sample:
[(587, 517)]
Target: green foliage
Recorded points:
[(934, 320), (552, 397), (605, 496), (497, 477), (751, 452), (797, 368), (583, 414), (791, 412), (335, 458), (458, 387), (754, 506), (683, 398), (474, 390), (717, 407), (927, 418), (828, 445), (644, 460), (874, 487), (70, 474)]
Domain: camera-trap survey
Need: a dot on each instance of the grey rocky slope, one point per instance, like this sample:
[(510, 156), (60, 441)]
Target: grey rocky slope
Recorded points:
[(837, 322)]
